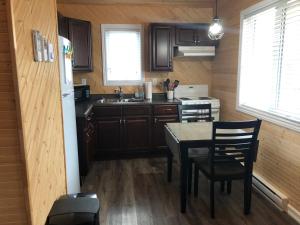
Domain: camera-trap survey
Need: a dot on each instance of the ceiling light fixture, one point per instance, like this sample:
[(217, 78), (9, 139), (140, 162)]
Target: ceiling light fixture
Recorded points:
[(215, 31)]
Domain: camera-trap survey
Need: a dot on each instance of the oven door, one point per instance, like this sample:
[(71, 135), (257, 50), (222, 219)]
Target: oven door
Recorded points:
[(194, 115)]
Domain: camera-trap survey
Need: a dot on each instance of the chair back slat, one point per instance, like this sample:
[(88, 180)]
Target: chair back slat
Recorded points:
[(234, 140), (234, 134), (236, 144)]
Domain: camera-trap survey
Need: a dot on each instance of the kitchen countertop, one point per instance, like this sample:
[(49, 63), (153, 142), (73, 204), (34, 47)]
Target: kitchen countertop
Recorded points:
[(83, 108)]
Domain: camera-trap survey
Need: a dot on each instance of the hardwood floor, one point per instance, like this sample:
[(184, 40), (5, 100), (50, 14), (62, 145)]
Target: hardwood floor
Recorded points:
[(136, 192)]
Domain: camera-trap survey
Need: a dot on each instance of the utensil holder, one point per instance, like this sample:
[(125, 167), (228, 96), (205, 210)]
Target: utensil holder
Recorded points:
[(170, 95)]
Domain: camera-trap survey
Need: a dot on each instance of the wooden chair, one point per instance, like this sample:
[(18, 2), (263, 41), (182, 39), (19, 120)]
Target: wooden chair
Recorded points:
[(231, 157), (203, 114)]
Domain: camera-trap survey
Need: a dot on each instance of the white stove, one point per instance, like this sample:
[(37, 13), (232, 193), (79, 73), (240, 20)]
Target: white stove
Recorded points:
[(195, 95)]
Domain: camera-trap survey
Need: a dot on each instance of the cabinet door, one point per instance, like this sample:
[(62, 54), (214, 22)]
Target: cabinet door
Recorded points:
[(158, 133), (161, 47), (63, 25), (136, 133), (80, 37), (185, 36), (109, 133), (202, 36)]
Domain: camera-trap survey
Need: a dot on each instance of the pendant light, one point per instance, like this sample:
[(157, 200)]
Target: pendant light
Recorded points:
[(215, 31)]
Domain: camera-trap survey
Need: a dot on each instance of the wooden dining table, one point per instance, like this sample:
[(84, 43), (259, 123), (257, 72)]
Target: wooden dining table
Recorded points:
[(180, 137)]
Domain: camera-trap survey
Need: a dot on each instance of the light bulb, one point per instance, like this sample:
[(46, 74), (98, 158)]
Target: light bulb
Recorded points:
[(215, 31)]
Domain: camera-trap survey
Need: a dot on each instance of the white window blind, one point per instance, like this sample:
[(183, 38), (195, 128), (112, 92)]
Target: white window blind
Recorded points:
[(122, 54), (269, 66)]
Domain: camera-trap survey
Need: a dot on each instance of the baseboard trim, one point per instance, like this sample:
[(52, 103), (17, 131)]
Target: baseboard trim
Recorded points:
[(294, 213)]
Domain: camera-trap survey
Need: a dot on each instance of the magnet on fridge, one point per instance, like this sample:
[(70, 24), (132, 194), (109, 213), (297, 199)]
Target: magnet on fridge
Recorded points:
[(45, 49), (50, 52)]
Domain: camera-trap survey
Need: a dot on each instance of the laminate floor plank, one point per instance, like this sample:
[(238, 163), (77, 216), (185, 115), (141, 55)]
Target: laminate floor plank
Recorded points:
[(136, 192)]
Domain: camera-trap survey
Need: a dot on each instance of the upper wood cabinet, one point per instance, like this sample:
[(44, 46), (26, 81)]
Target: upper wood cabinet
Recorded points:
[(79, 33), (161, 47), (192, 35), (80, 37), (63, 26), (164, 37)]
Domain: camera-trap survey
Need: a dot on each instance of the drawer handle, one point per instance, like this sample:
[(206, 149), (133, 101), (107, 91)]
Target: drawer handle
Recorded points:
[(168, 109)]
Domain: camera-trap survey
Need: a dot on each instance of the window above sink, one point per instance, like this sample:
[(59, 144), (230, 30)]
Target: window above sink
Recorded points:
[(122, 53)]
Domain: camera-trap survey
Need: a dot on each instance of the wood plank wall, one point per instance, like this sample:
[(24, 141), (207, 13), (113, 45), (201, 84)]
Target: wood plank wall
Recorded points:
[(279, 154), (12, 167), (188, 71), (40, 106)]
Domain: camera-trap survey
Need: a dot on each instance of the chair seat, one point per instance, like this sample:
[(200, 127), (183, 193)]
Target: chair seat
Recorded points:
[(200, 153), (223, 171)]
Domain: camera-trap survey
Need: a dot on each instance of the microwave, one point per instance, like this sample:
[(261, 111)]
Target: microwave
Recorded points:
[(81, 92)]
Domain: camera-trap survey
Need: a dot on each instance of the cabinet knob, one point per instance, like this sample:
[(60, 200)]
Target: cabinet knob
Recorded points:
[(155, 120)]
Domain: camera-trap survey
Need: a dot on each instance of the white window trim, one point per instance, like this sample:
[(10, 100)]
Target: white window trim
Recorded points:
[(273, 118), (121, 27)]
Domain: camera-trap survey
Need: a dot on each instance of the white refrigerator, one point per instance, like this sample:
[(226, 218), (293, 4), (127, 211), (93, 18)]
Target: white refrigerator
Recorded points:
[(69, 115)]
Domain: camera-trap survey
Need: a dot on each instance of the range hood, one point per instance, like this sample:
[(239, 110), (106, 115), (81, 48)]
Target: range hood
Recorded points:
[(182, 51)]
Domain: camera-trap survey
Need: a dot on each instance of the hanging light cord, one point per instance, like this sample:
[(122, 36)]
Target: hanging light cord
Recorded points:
[(216, 8)]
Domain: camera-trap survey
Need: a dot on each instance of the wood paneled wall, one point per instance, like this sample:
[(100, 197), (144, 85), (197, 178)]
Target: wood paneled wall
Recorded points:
[(40, 107), (12, 167), (279, 154), (188, 71)]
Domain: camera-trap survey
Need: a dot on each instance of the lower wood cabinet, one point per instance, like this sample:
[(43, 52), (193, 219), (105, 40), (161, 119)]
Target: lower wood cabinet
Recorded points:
[(136, 132), (158, 133), (130, 130), (86, 135), (109, 133)]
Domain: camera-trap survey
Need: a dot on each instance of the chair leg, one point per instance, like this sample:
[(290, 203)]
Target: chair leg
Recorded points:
[(196, 177), (247, 195), (190, 176), (212, 199), (170, 166), (229, 187), (222, 186)]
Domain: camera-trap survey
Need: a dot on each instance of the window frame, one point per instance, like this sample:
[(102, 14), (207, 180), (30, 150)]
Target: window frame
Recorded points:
[(125, 27), (280, 120)]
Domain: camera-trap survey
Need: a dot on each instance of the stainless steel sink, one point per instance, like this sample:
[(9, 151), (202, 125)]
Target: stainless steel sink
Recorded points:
[(118, 101)]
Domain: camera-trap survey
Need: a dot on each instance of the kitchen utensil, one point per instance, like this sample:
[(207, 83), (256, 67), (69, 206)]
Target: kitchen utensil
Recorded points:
[(168, 83), (176, 83)]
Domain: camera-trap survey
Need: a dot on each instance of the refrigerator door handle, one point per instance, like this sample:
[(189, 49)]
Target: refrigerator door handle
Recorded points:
[(65, 95)]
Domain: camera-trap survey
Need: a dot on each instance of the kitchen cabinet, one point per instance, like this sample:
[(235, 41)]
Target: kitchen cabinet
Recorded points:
[(80, 37), (79, 33), (137, 132), (161, 47), (132, 130), (122, 128), (86, 136), (63, 26), (109, 125), (109, 133), (162, 114), (192, 35), (137, 125)]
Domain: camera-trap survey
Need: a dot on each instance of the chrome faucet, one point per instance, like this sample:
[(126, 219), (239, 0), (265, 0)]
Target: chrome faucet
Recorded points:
[(119, 92)]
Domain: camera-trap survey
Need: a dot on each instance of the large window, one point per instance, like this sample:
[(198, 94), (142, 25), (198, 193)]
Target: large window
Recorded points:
[(122, 54), (269, 63)]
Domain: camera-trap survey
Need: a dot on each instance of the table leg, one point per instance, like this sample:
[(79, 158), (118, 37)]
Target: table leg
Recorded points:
[(183, 177)]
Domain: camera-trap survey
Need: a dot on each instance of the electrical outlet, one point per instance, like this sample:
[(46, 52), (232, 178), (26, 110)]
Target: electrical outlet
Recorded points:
[(154, 82)]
